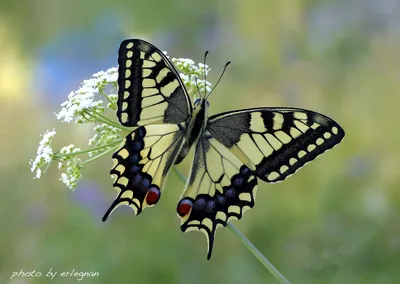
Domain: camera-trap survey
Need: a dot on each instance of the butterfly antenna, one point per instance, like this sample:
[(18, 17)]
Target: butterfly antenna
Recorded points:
[(205, 73), (222, 74)]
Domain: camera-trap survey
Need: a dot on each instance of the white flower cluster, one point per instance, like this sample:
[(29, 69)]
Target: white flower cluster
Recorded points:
[(87, 105), (65, 153), (82, 104), (72, 174), (44, 154), (105, 135), (191, 74), (71, 164), (108, 76)]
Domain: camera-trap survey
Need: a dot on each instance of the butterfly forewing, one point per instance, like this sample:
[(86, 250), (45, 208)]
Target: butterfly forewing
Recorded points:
[(220, 188), (142, 164), (149, 88), (275, 142)]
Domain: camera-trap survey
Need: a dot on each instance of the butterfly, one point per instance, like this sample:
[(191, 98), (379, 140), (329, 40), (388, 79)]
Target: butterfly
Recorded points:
[(232, 150)]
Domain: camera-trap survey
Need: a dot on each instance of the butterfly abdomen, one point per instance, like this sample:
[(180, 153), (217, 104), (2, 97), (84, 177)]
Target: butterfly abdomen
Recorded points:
[(196, 127)]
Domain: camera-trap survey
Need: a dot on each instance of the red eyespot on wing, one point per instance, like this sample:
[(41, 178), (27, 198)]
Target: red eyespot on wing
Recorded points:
[(153, 195), (184, 207)]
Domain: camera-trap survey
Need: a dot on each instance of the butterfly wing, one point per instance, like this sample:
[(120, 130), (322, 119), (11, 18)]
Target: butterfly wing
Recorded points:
[(150, 90), (275, 142), (142, 164), (220, 188), (238, 147)]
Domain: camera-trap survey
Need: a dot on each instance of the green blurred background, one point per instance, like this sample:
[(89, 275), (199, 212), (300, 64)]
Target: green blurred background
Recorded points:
[(335, 221)]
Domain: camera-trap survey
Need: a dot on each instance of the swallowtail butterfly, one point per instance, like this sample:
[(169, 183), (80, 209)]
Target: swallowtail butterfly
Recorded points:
[(233, 150)]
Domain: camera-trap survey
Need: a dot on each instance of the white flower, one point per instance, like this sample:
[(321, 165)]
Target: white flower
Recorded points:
[(78, 102), (204, 69), (71, 165), (111, 78), (82, 104), (92, 83), (113, 103), (99, 74), (112, 70), (44, 154), (105, 135), (184, 78), (191, 73), (38, 173), (72, 174), (108, 76), (68, 150)]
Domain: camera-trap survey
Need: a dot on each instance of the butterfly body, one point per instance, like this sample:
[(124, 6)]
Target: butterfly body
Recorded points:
[(195, 128), (232, 150)]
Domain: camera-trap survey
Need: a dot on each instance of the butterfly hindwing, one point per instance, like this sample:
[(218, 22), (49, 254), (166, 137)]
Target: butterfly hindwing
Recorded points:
[(149, 88), (219, 189), (275, 142), (142, 164)]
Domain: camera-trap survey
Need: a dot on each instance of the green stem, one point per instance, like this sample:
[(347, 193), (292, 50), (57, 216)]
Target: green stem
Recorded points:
[(257, 254), (104, 119), (101, 118), (107, 97), (88, 150), (181, 176), (98, 156)]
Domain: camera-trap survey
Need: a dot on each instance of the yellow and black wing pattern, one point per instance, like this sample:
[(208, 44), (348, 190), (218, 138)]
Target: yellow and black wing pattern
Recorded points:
[(220, 188), (275, 142), (240, 146), (142, 164), (150, 90), (152, 98)]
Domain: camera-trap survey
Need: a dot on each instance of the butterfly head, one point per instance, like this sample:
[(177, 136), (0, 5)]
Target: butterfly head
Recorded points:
[(197, 102)]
